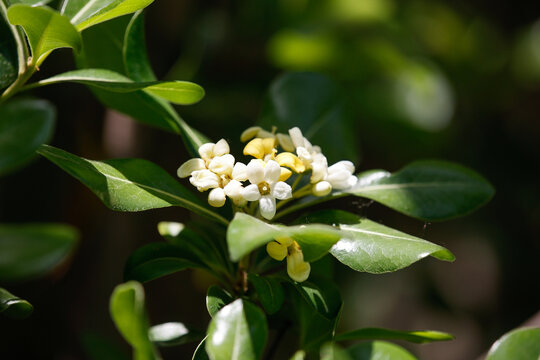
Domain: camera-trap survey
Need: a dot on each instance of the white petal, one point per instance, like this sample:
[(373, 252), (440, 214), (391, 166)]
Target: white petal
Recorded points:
[(222, 165), (272, 172), (221, 148), (353, 179), (286, 142), (233, 189), (207, 151), (216, 197), (251, 193), (240, 172), (322, 188), (255, 171), (344, 164), (190, 166), (296, 137), (204, 180), (249, 133), (282, 191), (267, 206), (304, 155), (319, 172)]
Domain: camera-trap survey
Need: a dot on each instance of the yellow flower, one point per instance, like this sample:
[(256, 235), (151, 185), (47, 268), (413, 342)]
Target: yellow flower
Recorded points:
[(291, 161), (263, 149), (282, 247)]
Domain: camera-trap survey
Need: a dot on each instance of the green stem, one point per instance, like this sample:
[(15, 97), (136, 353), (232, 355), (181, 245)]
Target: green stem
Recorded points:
[(297, 181), (17, 85)]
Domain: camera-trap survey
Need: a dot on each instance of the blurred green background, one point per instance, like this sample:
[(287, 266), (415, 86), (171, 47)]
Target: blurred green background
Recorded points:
[(458, 81)]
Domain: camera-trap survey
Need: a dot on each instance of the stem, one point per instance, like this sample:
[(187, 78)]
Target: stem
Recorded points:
[(297, 181), (16, 86)]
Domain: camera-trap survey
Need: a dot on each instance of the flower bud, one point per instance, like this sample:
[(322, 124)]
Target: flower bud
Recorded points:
[(322, 188), (216, 197)]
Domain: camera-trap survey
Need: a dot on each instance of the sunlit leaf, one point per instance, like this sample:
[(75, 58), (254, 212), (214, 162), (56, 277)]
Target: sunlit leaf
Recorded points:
[(29, 251), (13, 306), (45, 28), (237, 332), (379, 350), (129, 315), (172, 334), (25, 124), (523, 344), (129, 184), (421, 336), (427, 190), (269, 291)]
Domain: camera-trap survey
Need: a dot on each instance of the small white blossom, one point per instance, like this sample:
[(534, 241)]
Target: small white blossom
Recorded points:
[(311, 155), (204, 180), (216, 197), (341, 175)]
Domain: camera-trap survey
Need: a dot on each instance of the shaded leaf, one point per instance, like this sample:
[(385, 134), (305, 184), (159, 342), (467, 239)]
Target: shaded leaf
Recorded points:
[(178, 92), (237, 332), (128, 313), (45, 28), (269, 291), (172, 334), (322, 294), (422, 336), (13, 306), (30, 251), (427, 190), (379, 350), (8, 52), (331, 351), (216, 298), (24, 126), (523, 344), (134, 52), (129, 184)]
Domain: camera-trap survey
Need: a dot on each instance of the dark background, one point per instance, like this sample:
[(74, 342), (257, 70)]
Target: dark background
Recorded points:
[(471, 68)]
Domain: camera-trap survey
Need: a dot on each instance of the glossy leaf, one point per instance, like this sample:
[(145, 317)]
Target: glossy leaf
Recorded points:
[(156, 260), (13, 306), (322, 294), (316, 105), (128, 313), (30, 2), (246, 233), (24, 125), (331, 351), (422, 336), (178, 92), (269, 291), (217, 298), (45, 28), (103, 48), (379, 350), (172, 334), (8, 52), (237, 332), (427, 190), (523, 344), (30, 251), (129, 184), (134, 52), (86, 13)]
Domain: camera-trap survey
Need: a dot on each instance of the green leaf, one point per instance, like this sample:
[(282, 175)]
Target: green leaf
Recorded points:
[(129, 184), (316, 105), (422, 336), (30, 251), (371, 247), (8, 52), (24, 126), (14, 307), (134, 52), (200, 352), (30, 2), (86, 13), (246, 233), (379, 350), (427, 190), (45, 28), (299, 355), (269, 291), (523, 344), (156, 260), (217, 298), (128, 313), (322, 294), (237, 332), (172, 334), (178, 92), (331, 351)]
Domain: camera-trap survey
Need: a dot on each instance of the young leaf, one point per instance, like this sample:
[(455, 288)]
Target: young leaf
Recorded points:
[(523, 344), (237, 332), (24, 125), (172, 334), (246, 233), (129, 184), (216, 298), (269, 291), (32, 250), (8, 52), (14, 307), (422, 336), (331, 351), (427, 190), (86, 13), (177, 92), (155, 260), (378, 350), (45, 28), (318, 107), (128, 313), (134, 52)]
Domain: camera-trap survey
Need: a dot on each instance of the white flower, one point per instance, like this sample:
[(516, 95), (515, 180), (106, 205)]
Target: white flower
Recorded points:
[(234, 191), (311, 155), (265, 186), (204, 180), (340, 175), (216, 197)]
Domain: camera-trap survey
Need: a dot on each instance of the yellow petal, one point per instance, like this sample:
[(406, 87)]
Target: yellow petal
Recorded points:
[(291, 161), (297, 268), (286, 142), (285, 240), (250, 133), (269, 145), (255, 148), (285, 174), (276, 250)]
